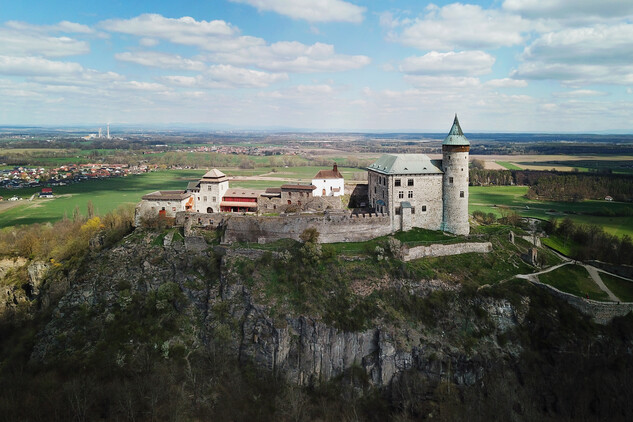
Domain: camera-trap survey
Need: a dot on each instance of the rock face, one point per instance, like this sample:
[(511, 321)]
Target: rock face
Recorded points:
[(302, 347)]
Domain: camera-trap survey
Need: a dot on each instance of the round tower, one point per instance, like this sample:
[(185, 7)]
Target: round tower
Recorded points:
[(455, 150)]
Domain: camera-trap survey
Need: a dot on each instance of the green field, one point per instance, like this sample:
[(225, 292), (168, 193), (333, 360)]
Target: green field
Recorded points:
[(495, 198), (108, 194), (574, 279), (508, 165), (620, 287)]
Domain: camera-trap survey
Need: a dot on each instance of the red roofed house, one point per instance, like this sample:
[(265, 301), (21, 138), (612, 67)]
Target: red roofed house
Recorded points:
[(329, 183)]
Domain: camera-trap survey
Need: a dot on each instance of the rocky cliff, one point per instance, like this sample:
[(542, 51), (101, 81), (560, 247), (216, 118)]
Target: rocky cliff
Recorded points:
[(431, 347)]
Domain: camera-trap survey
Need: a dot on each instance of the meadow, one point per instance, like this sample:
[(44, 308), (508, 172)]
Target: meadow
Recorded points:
[(498, 199), (108, 194)]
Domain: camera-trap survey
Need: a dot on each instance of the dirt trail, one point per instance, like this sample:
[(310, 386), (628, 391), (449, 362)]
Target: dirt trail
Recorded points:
[(593, 272)]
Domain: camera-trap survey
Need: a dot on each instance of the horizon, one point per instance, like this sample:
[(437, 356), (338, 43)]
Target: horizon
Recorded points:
[(517, 66)]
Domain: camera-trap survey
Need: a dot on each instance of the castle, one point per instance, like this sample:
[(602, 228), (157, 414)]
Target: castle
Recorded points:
[(403, 191), (416, 191)]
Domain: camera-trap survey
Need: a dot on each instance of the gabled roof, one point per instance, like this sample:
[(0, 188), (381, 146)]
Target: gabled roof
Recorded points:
[(297, 187), (167, 195), (406, 164), (329, 174), (193, 185), (242, 193), (456, 136), (214, 174)]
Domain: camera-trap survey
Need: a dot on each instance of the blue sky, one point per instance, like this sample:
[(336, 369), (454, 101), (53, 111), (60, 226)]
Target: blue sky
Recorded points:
[(503, 66)]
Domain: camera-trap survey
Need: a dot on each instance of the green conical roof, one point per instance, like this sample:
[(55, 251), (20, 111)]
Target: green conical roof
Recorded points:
[(456, 136)]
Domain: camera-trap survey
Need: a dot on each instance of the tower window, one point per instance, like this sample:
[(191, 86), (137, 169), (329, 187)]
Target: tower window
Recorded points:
[(423, 208), (461, 193), (462, 169), (401, 194), (410, 194), (375, 188), (398, 211), (412, 210), (397, 183), (409, 182), (450, 180)]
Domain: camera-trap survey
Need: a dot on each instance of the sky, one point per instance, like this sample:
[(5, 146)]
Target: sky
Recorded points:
[(326, 65)]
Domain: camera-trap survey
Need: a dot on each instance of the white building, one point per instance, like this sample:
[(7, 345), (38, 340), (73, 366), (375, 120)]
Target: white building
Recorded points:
[(165, 203), (416, 191), (329, 183), (211, 188)]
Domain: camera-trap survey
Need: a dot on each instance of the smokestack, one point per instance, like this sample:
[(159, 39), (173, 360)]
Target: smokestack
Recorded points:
[(335, 168)]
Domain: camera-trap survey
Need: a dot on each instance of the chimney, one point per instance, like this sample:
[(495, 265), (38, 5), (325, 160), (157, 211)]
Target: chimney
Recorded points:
[(335, 168)]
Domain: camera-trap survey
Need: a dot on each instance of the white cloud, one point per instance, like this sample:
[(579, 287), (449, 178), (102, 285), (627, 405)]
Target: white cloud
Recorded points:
[(33, 66), (580, 93), (463, 26), (442, 82), (185, 30), (581, 56), (148, 42), (25, 43), (226, 46), (226, 76), (293, 57), (570, 8), (311, 10), (161, 60), (451, 63), (63, 26), (506, 83)]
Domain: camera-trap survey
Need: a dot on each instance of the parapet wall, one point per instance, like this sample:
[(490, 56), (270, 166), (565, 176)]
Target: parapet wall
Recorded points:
[(601, 312), (444, 250), (344, 227)]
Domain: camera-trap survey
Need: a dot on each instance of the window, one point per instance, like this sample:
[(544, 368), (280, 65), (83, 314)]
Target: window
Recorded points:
[(461, 193), (409, 182), (214, 199), (410, 194), (423, 208), (173, 208), (205, 198), (412, 210), (375, 189), (397, 182), (462, 169), (401, 194), (450, 180), (383, 194), (289, 193), (398, 211), (209, 187)]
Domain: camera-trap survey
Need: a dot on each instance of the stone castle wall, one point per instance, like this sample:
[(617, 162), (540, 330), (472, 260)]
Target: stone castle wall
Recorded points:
[(340, 227)]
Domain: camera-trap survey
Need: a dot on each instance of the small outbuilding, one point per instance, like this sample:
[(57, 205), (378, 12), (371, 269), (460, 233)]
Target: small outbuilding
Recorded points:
[(329, 183)]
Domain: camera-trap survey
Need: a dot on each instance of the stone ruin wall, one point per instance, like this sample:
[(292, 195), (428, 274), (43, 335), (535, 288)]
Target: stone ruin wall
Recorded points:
[(439, 249), (601, 312)]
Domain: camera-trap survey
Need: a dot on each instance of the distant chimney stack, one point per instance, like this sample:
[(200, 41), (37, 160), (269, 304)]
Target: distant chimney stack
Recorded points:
[(335, 168)]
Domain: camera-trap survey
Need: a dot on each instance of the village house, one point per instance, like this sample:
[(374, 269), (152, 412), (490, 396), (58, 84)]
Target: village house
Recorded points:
[(328, 183)]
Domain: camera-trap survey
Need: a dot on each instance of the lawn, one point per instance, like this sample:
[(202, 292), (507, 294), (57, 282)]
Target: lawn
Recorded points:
[(574, 279), (558, 244), (495, 198), (508, 165), (105, 194), (620, 287), (108, 194)]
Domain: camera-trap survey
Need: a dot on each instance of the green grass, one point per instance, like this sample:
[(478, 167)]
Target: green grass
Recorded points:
[(558, 244), (508, 165), (620, 287), (495, 198), (106, 195), (574, 279)]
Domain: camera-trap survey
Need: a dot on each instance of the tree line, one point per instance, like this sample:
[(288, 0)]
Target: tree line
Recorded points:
[(559, 186), (592, 242)]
